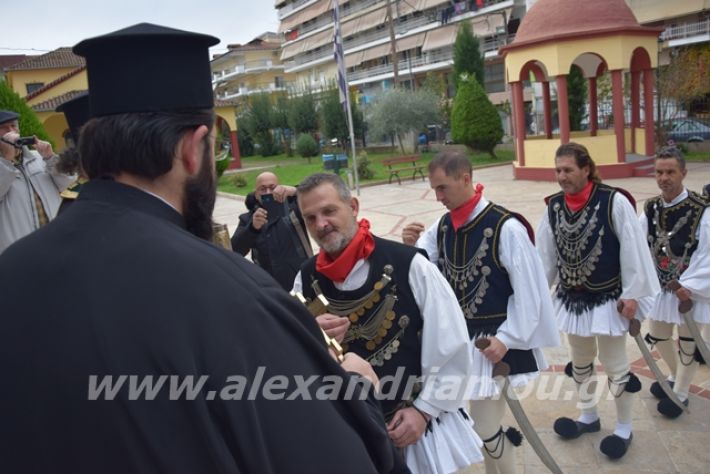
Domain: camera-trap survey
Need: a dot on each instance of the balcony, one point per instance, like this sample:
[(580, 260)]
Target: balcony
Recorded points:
[(687, 33), (250, 67), (285, 11), (422, 63), (327, 18), (236, 92)]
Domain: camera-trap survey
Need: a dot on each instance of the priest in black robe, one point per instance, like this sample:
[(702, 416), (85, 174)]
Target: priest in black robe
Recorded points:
[(129, 342)]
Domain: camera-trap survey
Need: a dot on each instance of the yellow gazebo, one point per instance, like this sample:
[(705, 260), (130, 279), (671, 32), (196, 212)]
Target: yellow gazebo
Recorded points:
[(596, 36)]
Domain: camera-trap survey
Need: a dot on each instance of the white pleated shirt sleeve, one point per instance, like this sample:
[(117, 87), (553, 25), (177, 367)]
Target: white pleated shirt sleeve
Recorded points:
[(546, 248), (445, 358), (427, 241), (697, 276), (530, 322), (638, 272)]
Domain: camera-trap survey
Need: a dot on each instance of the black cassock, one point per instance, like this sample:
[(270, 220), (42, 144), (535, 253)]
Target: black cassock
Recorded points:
[(116, 287)]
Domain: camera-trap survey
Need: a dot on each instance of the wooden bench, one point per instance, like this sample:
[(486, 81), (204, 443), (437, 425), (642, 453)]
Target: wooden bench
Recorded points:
[(410, 164)]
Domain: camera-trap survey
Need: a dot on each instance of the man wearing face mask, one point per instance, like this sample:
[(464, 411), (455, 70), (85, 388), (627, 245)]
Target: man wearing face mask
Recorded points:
[(157, 301), (273, 230), (30, 182)]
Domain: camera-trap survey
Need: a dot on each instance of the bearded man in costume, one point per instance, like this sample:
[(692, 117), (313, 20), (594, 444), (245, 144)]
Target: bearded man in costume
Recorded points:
[(678, 228), (487, 255), (392, 307), (591, 242)]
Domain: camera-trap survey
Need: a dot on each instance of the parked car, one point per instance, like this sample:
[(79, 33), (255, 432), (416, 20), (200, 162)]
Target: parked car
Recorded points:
[(689, 130)]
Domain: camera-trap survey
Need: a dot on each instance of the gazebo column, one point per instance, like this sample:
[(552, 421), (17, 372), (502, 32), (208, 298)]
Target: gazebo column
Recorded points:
[(617, 90), (236, 155), (547, 108), (593, 107), (648, 85), (635, 106), (563, 108), (519, 115)]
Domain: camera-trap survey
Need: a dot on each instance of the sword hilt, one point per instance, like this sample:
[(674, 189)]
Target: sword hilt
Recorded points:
[(634, 324), (500, 368), (318, 306), (683, 306)]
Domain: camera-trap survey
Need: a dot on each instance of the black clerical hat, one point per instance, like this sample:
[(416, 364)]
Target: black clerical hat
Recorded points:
[(148, 68), (7, 115), (76, 111)]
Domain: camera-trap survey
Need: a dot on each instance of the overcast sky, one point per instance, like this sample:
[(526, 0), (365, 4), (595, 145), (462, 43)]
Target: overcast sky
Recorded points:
[(37, 26)]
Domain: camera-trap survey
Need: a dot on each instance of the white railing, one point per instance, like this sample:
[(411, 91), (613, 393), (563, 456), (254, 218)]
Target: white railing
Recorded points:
[(243, 91), (686, 30), (245, 68), (327, 19), (285, 11), (403, 66)]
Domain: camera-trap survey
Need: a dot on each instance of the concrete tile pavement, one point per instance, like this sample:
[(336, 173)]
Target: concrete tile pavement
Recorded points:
[(660, 445)]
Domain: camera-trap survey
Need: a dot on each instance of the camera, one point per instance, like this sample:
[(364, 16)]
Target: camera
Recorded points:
[(25, 141)]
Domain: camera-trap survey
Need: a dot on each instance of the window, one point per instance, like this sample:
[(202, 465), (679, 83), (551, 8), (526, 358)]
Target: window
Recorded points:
[(278, 81), (494, 77), (33, 86)]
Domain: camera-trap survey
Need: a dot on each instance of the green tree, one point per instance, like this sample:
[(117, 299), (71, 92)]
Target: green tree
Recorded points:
[(258, 123), (302, 114), (333, 119), (474, 119), (467, 54), (306, 146), (28, 121), (399, 111), (576, 97)]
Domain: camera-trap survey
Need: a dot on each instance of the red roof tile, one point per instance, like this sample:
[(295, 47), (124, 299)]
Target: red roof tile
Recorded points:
[(51, 104), (59, 58)]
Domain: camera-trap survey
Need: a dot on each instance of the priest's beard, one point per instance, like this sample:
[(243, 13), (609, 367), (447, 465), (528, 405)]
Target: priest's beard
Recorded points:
[(200, 195)]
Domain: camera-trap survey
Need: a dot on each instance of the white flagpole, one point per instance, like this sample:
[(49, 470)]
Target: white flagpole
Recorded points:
[(344, 89)]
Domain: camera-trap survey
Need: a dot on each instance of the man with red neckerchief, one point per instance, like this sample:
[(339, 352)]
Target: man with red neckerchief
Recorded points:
[(486, 254), (590, 241), (392, 307)]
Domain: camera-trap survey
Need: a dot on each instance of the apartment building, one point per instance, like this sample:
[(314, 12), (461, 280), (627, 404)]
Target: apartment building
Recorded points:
[(424, 33), (252, 68)]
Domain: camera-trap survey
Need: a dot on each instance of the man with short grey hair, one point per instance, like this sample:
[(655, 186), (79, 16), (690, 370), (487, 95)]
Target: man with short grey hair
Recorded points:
[(29, 182), (678, 228)]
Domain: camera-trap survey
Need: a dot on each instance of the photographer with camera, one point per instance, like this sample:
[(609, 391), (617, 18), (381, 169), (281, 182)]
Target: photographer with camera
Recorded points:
[(29, 182), (273, 230)]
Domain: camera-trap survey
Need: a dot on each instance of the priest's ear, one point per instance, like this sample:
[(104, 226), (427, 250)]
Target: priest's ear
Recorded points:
[(191, 149)]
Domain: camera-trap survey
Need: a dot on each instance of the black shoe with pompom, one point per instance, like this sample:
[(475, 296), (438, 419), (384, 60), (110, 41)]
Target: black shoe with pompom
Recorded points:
[(571, 429)]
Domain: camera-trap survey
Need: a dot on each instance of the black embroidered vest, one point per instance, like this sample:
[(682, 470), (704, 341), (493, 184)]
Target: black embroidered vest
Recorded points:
[(587, 250), (385, 321), (672, 234), (469, 260)]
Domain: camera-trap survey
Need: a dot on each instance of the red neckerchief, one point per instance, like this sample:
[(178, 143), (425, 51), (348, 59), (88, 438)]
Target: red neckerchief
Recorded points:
[(360, 247), (576, 201), (460, 215)]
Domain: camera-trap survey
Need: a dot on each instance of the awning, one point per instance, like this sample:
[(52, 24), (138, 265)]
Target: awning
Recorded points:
[(292, 49), (319, 39), (411, 42), (355, 59), (349, 28), (376, 52), (372, 19), (424, 4), (440, 37), (488, 25), (404, 8), (304, 15)]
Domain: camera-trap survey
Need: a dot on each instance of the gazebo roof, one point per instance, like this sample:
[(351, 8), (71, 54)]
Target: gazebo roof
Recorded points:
[(554, 20)]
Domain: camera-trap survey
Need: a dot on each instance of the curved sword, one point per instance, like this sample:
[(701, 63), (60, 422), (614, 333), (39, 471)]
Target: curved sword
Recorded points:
[(684, 308), (502, 369), (635, 332)]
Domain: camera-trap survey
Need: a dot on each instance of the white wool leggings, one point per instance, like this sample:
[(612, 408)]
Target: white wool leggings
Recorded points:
[(612, 355), (500, 455)]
